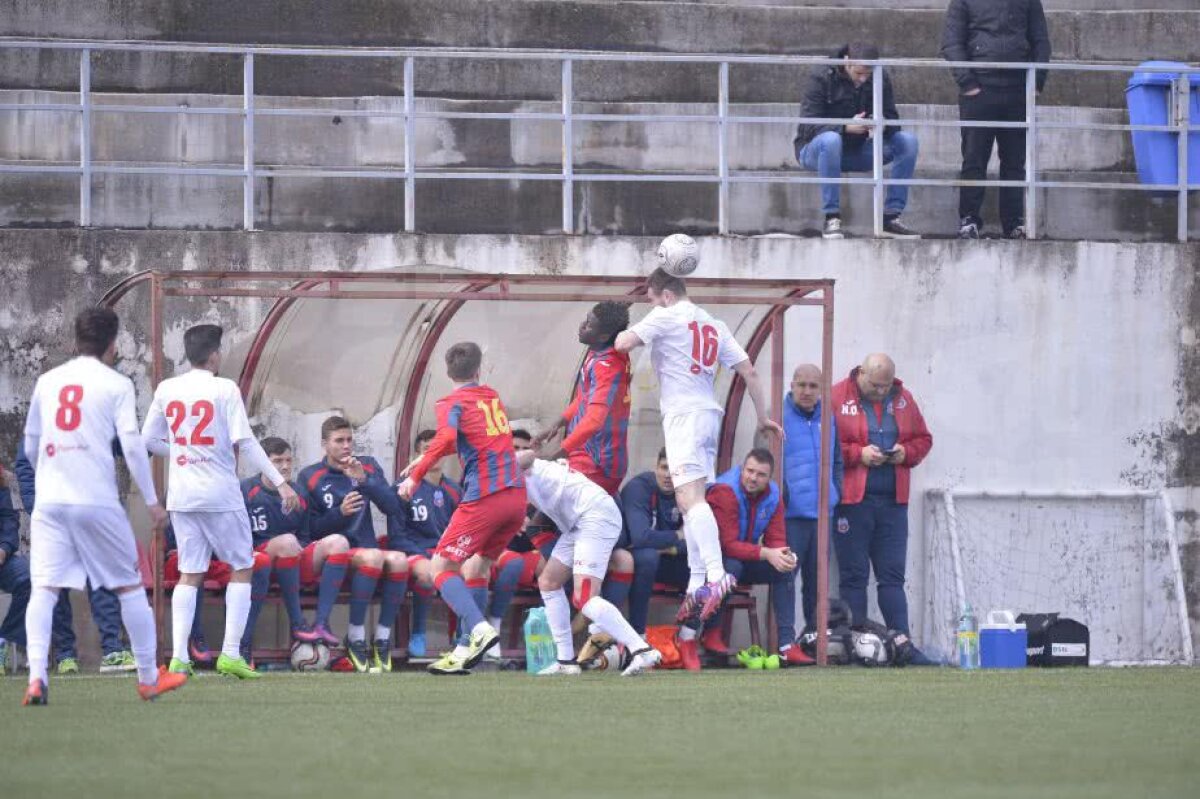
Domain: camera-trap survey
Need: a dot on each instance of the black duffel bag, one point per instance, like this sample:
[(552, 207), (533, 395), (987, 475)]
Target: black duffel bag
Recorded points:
[(1054, 641)]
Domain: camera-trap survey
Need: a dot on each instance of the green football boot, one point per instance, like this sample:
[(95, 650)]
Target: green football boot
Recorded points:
[(448, 664), (68, 666), (236, 667), (178, 666), (381, 656), (358, 653), (482, 639)]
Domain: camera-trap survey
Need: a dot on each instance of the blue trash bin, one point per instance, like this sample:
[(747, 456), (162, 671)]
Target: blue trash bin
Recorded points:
[(1157, 152)]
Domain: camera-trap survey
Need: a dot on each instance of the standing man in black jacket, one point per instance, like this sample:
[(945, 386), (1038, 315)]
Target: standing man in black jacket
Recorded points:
[(994, 30), (844, 91)]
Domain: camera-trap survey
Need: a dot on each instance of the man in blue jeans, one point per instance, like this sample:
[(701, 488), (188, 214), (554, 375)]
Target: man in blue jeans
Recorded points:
[(14, 576), (845, 91), (801, 465)]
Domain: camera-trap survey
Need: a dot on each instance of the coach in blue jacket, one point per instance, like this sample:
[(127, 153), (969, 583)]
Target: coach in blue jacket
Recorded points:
[(801, 463)]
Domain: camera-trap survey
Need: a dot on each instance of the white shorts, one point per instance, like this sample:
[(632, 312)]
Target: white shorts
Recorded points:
[(202, 535), (587, 546), (691, 442), (72, 544)]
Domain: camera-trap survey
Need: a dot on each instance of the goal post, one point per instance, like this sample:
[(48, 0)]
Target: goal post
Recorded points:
[(1109, 559)]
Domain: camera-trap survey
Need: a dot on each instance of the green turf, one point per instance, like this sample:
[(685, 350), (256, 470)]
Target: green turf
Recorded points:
[(803, 733)]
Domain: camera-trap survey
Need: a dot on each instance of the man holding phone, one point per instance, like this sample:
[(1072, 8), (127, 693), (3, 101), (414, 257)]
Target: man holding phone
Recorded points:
[(882, 436)]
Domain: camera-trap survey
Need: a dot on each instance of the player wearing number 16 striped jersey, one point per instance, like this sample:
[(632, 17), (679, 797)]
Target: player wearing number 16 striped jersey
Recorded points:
[(686, 345), (78, 531), (472, 420), (197, 420)]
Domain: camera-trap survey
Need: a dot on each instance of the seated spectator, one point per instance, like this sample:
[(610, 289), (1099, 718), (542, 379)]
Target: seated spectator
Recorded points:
[(14, 575), (416, 530), (339, 490), (277, 535), (749, 511), (844, 91), (655, 538)]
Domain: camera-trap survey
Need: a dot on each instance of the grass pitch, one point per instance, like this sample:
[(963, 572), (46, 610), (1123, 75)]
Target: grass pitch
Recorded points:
[(837, 732)]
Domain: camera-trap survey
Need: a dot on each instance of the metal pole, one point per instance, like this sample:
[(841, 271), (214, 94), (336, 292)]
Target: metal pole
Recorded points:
[(776, 445), (156, 376), (1182, 120), (723, 148), (248, 141), (1185, 630), (877, 147), (410, 149), (826, 468), (1031, 212), (568, 163), (85, 138)]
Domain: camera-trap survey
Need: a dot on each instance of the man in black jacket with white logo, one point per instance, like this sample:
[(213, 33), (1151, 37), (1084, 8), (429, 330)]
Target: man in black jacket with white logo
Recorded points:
[(844, 91), (994, 30)]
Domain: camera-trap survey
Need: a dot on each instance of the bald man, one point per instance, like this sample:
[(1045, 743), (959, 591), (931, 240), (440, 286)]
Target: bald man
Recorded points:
[(801, 465), (883, 436)]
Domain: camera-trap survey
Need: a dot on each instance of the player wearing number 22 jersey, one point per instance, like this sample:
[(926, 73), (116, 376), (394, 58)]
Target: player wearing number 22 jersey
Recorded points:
[(196, 420), (472, 420)]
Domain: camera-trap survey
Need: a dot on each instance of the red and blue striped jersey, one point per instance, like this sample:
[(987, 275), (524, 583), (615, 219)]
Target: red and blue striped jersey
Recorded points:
[(598, 417), (472, 420)]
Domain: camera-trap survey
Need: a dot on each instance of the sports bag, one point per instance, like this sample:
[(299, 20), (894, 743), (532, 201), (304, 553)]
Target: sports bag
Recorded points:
[(1054, 641)]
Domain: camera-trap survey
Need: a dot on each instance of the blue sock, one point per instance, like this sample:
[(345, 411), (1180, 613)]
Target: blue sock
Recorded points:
[(456, 594), (198, 616), (479, 594), (287, 574), (333, 574), (504, 587), (616, 588), (395, 586), (420, 611), (260, 581), (362, 589)]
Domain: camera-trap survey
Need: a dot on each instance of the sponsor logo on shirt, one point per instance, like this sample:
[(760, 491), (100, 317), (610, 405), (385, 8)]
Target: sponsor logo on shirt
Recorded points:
[(843, 525), (50, 451), (192, 460)]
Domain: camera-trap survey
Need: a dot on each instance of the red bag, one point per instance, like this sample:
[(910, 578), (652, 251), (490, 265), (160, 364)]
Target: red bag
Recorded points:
[(663, 638)]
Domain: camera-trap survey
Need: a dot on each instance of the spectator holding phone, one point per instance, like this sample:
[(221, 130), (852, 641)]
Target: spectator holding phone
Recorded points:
[(845, 92), (882, 436)]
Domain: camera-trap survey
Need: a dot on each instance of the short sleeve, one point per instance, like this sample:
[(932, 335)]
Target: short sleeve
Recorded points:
[(235, 414), (731, 353), (653, 325)]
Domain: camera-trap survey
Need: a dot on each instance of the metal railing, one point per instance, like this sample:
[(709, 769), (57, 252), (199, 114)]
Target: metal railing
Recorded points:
[(250, 170)]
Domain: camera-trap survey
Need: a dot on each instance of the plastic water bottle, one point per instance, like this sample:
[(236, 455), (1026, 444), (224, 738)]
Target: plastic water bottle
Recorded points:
[(967, 639), (539, 641)]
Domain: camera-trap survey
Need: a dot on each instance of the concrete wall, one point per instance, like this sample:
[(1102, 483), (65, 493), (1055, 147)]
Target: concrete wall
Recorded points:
[(1038, 365)]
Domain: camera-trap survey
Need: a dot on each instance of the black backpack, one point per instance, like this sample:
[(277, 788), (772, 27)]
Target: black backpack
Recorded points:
[(1054, 641)]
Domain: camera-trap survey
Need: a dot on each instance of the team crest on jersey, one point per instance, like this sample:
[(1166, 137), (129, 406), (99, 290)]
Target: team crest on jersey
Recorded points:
[(438, 499), (50, 451), (902, 403), (843, 525)]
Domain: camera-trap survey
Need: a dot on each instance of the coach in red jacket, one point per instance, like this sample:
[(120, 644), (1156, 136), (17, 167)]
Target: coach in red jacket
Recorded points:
[(883, 436)]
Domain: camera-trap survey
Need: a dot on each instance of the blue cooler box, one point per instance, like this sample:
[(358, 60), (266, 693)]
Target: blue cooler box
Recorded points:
[(1002, 641), (1157, 152)]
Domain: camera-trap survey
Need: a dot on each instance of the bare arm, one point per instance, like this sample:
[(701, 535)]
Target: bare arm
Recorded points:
[(754, 388)]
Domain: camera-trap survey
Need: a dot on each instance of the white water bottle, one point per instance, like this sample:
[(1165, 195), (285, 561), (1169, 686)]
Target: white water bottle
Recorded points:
[(967, 639)]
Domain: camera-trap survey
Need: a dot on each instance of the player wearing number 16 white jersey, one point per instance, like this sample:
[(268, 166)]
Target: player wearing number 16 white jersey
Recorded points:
[(196, 420), (79, 531), (686, 345)]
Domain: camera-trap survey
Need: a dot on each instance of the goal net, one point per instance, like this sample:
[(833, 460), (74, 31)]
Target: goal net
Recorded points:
[(1109, 560)]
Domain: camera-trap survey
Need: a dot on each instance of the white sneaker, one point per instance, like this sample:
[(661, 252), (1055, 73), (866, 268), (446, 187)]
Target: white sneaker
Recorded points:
[(643, 661), (556, 668), (493, 655)]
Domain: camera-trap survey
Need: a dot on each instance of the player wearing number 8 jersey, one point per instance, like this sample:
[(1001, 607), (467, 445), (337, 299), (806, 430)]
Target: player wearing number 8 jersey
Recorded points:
[(196, 420), (686, 345), (472, 420), (78, 531)]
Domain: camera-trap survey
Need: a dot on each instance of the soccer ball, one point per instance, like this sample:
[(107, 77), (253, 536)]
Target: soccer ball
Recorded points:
[(869, 649), (678, 255), (310, 656)]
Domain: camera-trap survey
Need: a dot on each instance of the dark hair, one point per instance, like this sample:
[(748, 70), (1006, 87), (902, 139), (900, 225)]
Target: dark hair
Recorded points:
[(862, 51), (519, 432), (662, 454), (95, 330), (334, 423), (660, 280), (200, 342), (463, 360), (762, 455), (272, 445), (611, 318), (424, 435)]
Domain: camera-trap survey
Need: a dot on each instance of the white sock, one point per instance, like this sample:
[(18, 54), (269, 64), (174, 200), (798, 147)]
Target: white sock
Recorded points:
[(237, 608), (696, 571), (183, 609), (495, 621), (686, 633), (461, 651), (609, 619), (356, 632), (382, 633), (39, 615), (707, 539), (558, 614), (139, 623)]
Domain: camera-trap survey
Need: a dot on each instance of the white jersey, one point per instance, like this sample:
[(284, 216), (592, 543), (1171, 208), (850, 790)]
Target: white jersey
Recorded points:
[(202, 416), (562, 493), (76, 412), (686, 344)]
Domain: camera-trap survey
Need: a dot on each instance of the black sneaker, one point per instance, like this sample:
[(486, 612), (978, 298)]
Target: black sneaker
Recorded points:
[(381, 652), (968, 228), (359, 654), (833, 228), (893, 228), (1017, 233)]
